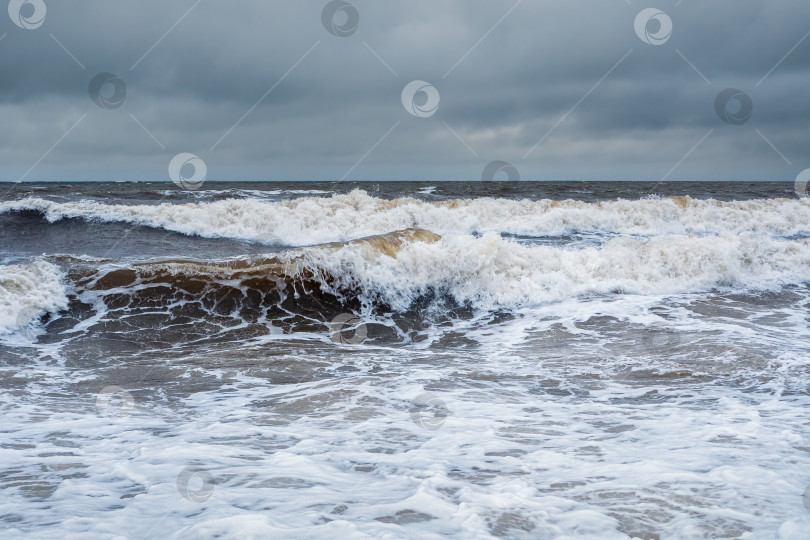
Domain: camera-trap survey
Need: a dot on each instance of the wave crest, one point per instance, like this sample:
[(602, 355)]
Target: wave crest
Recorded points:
[(398, 272), (490, 272), (317, 220), (27, 292)]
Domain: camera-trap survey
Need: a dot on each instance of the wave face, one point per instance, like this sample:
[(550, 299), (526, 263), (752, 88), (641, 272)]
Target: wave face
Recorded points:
[(315, 220), (400, 270)]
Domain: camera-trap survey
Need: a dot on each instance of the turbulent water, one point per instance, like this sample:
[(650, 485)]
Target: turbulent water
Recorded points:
[(405, 360)]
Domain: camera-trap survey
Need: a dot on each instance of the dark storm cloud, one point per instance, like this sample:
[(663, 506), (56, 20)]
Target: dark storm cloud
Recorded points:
[(516, 87)]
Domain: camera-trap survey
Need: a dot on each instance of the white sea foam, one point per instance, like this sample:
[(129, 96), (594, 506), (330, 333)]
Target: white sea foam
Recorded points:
[(314, 220), (494, 272), (562, 422), (28, 291), (261, 194)]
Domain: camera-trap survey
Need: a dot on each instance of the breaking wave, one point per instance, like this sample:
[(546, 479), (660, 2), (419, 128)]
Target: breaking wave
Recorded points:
[(399, 270), (27, 292), (316, 220)]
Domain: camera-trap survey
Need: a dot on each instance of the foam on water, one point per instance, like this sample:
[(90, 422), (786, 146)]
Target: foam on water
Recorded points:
[(316, 220), (652, 384), (397, 270), (28, 291), (543, 440), (493, 272)]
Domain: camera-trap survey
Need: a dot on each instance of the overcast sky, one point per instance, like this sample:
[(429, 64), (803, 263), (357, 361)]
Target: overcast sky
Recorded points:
[(604, 97)]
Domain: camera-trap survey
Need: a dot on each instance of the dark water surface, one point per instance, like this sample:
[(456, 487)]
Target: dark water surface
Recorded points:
[(405, 360)]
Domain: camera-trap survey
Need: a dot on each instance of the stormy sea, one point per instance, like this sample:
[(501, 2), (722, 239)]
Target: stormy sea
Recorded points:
[(604, 360)]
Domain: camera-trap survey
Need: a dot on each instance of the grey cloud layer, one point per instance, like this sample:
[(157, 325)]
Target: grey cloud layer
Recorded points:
[(338, 103)]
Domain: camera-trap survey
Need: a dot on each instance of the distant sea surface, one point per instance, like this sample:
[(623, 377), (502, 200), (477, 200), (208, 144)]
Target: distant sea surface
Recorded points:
[(603, 360)]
